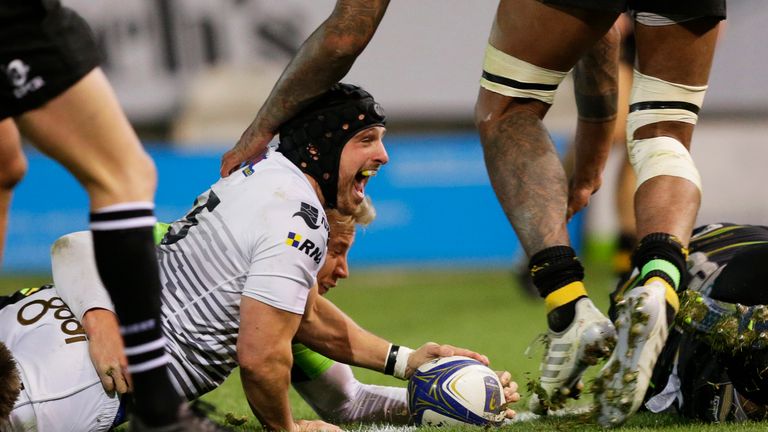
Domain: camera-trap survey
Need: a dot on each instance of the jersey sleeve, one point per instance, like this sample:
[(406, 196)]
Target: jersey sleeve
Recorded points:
[(75, 274), (289, 254)]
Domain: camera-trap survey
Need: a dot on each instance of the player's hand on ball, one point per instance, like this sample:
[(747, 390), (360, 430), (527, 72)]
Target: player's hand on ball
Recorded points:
[(106, 349), (315, 425), (430, 351), (510, 392)]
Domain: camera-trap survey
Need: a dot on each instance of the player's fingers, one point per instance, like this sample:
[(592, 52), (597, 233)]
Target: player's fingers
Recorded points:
[(445, 351), (121, 383), (471, 354), (510, 414), (505, 378), (105, 375), (231, 159), (512, 386), (511, 396)]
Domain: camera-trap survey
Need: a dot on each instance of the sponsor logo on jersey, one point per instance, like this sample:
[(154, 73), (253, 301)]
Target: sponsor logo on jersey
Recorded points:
[(17, 72), (34, 310), (247, 166), (307, 246), (311, 216)]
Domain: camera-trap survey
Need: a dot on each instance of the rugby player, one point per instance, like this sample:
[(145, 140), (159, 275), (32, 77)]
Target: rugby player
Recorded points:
[(712, 367), (238, 270), (37, 319), (523, 66), (330, 388), (55, 94), (537, 206)]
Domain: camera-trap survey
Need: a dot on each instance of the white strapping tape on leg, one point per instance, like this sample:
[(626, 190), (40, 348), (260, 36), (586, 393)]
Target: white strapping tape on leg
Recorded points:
[(510, 76), (654, 100), (662, 155)]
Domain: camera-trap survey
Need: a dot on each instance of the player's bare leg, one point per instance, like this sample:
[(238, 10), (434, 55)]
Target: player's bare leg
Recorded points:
[(666, 203), (529, 179), (14, 166), (85, 129), (625, 185)]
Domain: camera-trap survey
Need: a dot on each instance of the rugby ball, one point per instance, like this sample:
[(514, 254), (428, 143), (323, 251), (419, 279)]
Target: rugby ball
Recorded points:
[(455, 390)]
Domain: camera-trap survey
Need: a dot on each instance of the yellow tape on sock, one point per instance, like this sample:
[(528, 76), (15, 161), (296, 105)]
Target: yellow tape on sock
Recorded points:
[(564, 295), (669, 293)]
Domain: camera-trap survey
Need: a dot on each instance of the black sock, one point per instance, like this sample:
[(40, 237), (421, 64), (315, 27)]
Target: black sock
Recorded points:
[(125, 256), (552, 269), (661, 255), (664, 247)]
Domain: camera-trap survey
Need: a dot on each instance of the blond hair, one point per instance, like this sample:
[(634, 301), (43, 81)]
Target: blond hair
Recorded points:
[(10, 382)]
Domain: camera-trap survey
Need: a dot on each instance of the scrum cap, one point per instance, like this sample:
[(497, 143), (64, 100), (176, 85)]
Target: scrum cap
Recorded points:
[(314, 138)]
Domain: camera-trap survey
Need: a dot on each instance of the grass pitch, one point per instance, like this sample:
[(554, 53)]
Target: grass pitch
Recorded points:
[(484, 310)]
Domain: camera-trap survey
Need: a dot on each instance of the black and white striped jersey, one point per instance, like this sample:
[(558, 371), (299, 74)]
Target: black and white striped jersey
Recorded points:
[(261, 233)]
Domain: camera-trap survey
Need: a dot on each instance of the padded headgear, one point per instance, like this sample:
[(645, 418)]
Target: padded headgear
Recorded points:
[(315, 137)]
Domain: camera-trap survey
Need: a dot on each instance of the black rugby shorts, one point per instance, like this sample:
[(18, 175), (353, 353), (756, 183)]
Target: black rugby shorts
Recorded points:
[(46, 49), (708, 8)]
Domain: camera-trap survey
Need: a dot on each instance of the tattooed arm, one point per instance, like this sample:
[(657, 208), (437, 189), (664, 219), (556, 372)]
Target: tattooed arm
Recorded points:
[(324, 58), (596, 90)]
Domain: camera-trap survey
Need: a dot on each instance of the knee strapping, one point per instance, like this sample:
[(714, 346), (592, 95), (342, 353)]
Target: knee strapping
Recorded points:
[(510, 76), (653, 101), (660, 156)]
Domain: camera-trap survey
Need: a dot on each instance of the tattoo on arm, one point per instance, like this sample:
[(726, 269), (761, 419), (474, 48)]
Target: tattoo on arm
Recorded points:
[(596, 81), (324, 58)]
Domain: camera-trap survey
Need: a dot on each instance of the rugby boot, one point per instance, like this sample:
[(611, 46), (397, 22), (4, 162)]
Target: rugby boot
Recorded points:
[(642, 330), (569, 353), (191, 419)]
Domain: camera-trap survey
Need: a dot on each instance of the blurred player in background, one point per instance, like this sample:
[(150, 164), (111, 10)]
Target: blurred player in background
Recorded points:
[(56, 96), (624, 191), (524, 65), (712, 367)]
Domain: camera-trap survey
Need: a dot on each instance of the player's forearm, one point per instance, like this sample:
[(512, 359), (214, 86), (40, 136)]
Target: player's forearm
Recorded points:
[(75, 274), (336, 396), (596, 92), (329, 331), (324, 58), (266, 388)]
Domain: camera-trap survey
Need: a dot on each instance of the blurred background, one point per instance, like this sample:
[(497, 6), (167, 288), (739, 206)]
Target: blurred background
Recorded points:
[(191, 75)]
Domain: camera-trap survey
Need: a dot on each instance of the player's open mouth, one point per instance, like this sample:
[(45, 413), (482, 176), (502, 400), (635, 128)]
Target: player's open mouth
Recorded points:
[(361, 179)]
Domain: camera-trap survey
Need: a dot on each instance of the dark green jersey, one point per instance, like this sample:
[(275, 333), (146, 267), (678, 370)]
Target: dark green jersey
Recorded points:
[(691, 373)]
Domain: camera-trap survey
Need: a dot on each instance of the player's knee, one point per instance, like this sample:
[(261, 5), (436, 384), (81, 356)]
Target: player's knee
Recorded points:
[(14, 170), (513, 88), (662, 156), (654, 102), (515, 78)]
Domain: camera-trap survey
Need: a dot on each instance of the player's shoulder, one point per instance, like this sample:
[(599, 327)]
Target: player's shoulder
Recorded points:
[(267, 181)]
